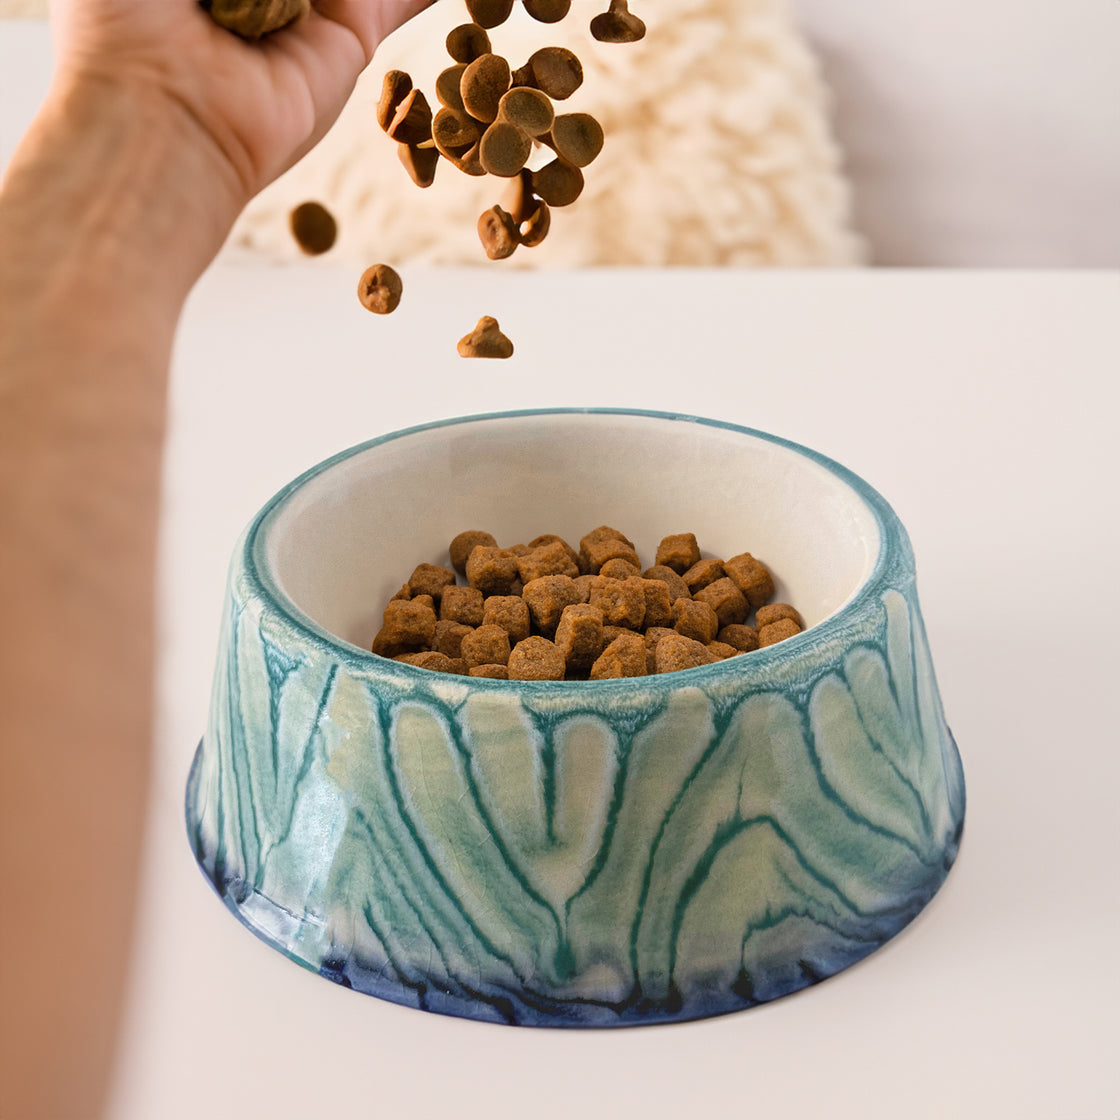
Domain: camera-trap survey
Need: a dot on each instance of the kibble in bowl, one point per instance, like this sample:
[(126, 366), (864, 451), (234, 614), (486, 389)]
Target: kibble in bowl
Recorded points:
[(597, 852)]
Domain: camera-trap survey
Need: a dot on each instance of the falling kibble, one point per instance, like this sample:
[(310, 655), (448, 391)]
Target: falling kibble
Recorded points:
[(486, 341), (314, 228), (380, 289)]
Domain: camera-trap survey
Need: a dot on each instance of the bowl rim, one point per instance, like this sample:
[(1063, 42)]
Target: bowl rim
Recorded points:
[(894, 547)]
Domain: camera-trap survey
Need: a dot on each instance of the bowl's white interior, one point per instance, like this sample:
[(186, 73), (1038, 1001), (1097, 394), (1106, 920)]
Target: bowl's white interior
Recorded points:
[(342, 544)]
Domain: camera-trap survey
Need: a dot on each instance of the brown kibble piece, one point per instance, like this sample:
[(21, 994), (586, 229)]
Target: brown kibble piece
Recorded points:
[(491, 570), (675, 652), (314, 228), (420, 163), (594, 554), (618, 568), (467, 42), (454, 132), (449, 87), (498, 234), (579, 635), (577, 138), (488, 645), (743, 638), (775, 612), (678, 589), (624, 657), (405, 624), (449, 637), (552, 538), (584, 584), (429, 579), (752, 579), (489, 13), (618, 25), (461, 604), (546, 599), (491, 672), (777, 632), (611, 633), (555, 71), (404, 593), (695, 620), (622, 601), (395, 87), (536, 659), (723, 652), (484, 83), (511, 613), (527, 108), (726, 600), (679, 552), (412, 122), (535, 228), (486, 341), (251, 19), (428, 601), (559, 183), (703, 573), (504, 149), (659, 607), (548, 11), (551, 559), (464, 543), (435, 662), (380, 289)]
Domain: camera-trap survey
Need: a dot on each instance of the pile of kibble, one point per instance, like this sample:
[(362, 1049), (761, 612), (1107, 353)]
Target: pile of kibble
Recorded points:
[(544, 611)]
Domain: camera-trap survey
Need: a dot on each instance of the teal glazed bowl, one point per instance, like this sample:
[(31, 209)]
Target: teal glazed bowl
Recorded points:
[(600, 853)]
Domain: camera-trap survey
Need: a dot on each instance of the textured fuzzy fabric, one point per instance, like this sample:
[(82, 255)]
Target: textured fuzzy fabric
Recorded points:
[(719, 150)]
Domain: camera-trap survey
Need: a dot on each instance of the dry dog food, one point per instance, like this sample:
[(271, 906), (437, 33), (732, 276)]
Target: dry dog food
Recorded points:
[(314, 228), (546, 611)]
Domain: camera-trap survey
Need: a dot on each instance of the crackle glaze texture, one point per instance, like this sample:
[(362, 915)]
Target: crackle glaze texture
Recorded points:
[(613, 854)]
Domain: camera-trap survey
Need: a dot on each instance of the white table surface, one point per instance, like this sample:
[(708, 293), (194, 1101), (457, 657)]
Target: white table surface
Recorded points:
[(982, 405)]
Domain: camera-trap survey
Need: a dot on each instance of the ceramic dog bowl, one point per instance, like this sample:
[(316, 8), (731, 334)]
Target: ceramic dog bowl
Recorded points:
[(575, 853)]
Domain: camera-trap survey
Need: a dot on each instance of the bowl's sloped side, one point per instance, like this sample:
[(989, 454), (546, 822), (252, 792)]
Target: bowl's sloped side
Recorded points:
[(579, 856)]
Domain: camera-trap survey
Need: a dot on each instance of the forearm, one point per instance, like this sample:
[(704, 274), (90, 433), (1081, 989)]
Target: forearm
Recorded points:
[(86, 328)]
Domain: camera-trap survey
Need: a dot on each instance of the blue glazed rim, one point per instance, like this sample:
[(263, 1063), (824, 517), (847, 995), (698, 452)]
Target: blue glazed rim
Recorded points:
[(894, 551)]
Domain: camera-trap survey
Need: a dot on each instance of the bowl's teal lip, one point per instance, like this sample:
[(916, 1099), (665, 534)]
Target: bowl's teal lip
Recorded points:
[(365, 663)]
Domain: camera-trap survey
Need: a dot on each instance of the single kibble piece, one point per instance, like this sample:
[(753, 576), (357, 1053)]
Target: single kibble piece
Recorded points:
[(618, 25), (449, 636), (695, 620), (380, 289), (552, 559), (467, 42), (577, 137), (420, 163), (428, 601), (612, 633), (678, 589), (678, 552), (559, 183), (743, 638), (314, 228), (511, 613), (579, 635), (464, 543), (723, 652), (584, 583), (484, 83), (652, 636), (486, 341), (435, 662), (594, 554), (536, 659), (548, 11), (702, 573), (498, 234), (504, 149), (622, 601), (775, 612), (726, 600), (491, 672), (659, 607), (454, 131), (461, 604), (527, 108), (412, 122), (536, 226), (624, 657), (489, 13), (449, 88), (752, 579), (546, 599), (618, 568), (777, 632), (395, 87), (676, 652), (429, 579), (491, 570), (488, 645), (552, 538), (406, 624), (555, 71), (253, 18)]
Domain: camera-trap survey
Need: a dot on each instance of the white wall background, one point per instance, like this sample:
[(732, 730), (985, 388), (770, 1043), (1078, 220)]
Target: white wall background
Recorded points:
[(979, 133)]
